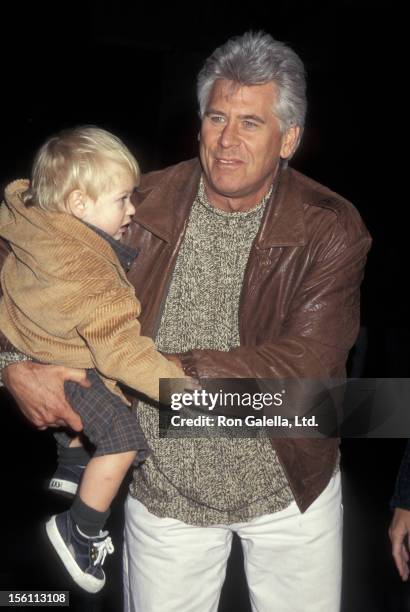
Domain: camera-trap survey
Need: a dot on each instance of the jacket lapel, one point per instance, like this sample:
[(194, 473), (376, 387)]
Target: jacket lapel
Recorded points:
[(163, 207), (283, 223)]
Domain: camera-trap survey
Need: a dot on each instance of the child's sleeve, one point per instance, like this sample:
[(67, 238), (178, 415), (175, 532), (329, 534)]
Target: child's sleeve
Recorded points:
[(112, 332)]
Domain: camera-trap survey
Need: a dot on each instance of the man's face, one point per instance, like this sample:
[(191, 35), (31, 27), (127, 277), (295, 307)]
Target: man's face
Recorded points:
[(241, 144)]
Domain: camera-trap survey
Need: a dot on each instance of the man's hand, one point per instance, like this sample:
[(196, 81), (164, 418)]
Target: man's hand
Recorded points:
[(39, 392), (399, 532), (174, 359), (190, 384)]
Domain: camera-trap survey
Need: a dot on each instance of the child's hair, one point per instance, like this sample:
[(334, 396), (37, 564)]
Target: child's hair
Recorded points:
[(76, 159)]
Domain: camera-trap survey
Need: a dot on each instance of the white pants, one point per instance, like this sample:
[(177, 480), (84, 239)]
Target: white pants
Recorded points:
[(292, 560)]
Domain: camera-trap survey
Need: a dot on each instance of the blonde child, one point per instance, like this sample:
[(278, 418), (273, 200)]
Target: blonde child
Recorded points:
[(66, 300)]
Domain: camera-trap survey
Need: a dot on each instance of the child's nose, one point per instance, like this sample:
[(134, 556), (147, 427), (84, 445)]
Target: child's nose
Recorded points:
[(130, 208)]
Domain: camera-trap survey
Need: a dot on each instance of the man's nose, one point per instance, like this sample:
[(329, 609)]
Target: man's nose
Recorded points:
[(229, 136)]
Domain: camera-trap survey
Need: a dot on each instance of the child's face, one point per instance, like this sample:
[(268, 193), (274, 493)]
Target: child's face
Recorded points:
[(112, 211)]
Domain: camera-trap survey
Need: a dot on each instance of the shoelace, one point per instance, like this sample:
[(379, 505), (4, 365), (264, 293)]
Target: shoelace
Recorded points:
[(104, 548)]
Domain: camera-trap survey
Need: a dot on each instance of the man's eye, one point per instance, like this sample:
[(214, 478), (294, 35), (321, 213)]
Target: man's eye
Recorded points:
[(250, 124), (216, 118)]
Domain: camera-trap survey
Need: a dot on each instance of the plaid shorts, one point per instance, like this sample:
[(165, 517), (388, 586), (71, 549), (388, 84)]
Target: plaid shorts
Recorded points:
[(108, 423)]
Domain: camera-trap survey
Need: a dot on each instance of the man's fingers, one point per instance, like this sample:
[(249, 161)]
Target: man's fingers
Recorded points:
[(398, 560), (33, 415), (39, 392), (58, 414), (74, 421), (404, 573), (58, 423), (400, 554), (399, 534), (405, 560), (65, 416), (192, 385), (78, 376)]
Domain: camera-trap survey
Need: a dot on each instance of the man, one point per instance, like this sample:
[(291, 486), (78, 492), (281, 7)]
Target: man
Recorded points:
[(399, 531), (246, 269)]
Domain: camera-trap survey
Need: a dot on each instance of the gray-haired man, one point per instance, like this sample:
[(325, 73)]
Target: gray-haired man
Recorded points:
[(246, 269)]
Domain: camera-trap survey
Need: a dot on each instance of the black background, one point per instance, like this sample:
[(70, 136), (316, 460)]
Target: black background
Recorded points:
[(131, 68)]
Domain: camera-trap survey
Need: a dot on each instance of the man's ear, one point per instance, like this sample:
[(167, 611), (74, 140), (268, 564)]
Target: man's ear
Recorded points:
[(77, 203), (290, 142)]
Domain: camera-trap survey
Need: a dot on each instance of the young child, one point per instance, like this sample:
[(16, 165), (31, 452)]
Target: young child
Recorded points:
[(66, 300)]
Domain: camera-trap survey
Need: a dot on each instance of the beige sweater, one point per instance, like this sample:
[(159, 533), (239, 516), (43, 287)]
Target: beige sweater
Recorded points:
[(66, 299)]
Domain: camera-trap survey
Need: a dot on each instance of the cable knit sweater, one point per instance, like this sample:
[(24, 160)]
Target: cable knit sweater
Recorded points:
[(66, 299)]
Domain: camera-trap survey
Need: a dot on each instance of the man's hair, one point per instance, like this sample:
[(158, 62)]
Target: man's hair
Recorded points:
[(255, 58), (76, 159)]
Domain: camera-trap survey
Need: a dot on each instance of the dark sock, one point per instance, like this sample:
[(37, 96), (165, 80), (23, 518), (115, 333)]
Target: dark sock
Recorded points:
[(89, 521), (76, 455)]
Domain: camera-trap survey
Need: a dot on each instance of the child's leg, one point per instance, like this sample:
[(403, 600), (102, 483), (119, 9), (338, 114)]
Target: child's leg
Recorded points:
[(102, 479), (77, 535), (75, 442)]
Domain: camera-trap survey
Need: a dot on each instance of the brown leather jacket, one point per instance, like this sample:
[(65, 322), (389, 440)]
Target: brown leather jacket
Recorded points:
[(299, 307)]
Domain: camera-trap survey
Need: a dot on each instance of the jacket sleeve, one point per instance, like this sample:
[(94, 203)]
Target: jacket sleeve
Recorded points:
[(112, 334), (319, 330), (5, 345)]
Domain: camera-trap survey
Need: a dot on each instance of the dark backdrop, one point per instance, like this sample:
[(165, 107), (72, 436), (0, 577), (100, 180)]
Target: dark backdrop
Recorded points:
[(131, 69)]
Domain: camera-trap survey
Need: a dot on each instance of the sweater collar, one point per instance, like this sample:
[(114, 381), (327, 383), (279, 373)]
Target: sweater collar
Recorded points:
[(203, 199)]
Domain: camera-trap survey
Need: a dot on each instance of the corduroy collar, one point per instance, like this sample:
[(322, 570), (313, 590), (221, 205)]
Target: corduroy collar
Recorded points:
[(125, 253)]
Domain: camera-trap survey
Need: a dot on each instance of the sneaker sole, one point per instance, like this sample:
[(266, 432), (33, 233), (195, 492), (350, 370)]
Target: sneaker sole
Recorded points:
[(86, 581), (57, 485)]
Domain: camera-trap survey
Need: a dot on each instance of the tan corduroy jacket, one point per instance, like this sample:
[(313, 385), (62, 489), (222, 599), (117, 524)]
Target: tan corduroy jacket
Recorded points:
[(66, 299)]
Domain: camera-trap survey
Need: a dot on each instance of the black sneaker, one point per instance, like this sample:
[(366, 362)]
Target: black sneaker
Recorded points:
[(66, 479), (82, 556)]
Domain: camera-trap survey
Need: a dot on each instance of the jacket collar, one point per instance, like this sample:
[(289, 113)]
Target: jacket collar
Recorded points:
[(126, 254), (166, 198)]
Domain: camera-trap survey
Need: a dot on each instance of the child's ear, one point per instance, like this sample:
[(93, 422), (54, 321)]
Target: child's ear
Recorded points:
[(76, 203)]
